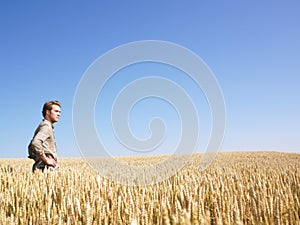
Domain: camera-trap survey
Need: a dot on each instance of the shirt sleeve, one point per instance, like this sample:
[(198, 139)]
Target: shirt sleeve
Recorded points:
[(39, 139)]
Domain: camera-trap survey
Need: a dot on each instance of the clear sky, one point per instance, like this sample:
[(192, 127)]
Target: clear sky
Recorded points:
[(252, 47)]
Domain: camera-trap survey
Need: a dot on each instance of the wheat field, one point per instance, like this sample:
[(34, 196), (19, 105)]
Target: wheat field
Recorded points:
[(237, 188)]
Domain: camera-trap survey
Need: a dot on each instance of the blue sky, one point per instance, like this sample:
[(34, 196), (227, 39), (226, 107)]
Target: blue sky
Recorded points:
[(252, 47)]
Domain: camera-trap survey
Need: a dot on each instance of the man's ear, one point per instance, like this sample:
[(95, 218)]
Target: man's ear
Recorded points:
[(48, 112)]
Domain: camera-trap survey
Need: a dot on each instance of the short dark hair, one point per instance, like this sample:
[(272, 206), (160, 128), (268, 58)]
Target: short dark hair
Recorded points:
[(48, 106)]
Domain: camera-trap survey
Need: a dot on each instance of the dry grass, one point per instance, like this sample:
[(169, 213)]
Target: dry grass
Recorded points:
[(238, 188)]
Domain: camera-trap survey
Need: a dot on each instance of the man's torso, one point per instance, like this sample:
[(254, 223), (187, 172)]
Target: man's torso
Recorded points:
[(43, 141)]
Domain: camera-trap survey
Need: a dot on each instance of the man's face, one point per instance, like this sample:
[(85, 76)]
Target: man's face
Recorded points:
[(53, 114)]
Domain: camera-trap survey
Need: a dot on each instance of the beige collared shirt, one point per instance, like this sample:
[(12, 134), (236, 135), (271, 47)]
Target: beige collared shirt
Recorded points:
[(43, 141)]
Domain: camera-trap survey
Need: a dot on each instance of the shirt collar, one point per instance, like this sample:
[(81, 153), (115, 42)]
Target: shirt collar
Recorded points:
[(47, 121)]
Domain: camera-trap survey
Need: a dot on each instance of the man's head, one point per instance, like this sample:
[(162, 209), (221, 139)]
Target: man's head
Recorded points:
[(51, 111)]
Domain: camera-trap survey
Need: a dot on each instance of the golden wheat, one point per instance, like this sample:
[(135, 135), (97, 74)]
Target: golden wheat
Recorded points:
[(238, 188)]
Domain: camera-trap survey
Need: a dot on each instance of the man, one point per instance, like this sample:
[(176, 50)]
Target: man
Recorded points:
[(42, 147)]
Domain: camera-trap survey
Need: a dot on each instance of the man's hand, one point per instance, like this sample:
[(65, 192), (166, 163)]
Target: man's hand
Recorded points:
[(48, 161), (51, 162)]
